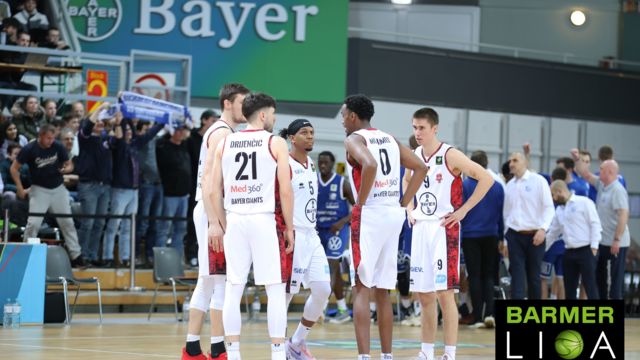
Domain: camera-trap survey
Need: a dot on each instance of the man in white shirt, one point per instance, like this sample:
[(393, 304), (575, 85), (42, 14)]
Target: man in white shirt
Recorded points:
[(528, 212), (577, 219)]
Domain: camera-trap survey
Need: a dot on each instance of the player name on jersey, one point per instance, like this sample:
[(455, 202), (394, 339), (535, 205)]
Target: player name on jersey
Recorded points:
[(245, 143)]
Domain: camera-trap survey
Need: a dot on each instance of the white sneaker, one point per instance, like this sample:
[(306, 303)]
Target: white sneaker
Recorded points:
[(422, 356), (446, 356), (489, 322), (298, 352), (412, 321), (478, 325)]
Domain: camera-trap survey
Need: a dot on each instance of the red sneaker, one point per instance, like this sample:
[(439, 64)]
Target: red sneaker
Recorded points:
[(186, 356), (222, 356)]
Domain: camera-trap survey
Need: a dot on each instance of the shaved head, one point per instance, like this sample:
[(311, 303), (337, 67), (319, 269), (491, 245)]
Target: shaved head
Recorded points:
[(609, 170), (560, 192)]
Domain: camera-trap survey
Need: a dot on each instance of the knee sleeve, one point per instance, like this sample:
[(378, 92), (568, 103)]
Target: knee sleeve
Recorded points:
[(202, 293), (231, 318), (217, 300), (403, 283), (276, 310), (313, 308)]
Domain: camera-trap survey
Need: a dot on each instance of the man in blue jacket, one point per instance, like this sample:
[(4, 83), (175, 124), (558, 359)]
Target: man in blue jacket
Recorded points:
[(482, 228)]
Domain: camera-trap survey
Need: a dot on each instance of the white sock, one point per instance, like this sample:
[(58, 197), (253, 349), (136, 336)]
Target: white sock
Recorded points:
[(300, 334), (427, 350), (277, 352), (384, 356), (342, 304), (451, 351), (364, 357), (192, 338), (372, 306), (233, 350), (217, 339)]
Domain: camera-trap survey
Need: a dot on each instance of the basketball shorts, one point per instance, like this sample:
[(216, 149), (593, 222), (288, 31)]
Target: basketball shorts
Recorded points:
[(552, 260), (210, 262), (254, 239), (435, 257), (334, 244), (374, 245), (309, 261)]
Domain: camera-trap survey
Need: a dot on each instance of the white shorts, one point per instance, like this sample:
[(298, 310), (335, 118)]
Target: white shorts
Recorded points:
[(374, 245), (209, 262), (254, 239), (309, 261), (435, 257)]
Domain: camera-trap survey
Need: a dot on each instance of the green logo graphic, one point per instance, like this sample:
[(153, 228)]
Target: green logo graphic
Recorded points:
[(569, 344), (95, 20)]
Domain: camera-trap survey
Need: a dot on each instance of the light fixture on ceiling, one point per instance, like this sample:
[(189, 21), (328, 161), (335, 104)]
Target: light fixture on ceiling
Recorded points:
[(401, 2), (578, 17)]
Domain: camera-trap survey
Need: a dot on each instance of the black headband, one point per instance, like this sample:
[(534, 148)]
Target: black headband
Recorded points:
[(296, 125)]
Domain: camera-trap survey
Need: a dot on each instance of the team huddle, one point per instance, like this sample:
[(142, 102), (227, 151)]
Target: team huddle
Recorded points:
[(258, 206)]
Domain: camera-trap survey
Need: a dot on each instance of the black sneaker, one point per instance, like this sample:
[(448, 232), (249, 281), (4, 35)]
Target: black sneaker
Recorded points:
[(107, 264), (79, 263)]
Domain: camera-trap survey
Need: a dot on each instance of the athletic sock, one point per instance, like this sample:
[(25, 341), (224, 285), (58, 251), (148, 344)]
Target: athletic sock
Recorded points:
[(193, 346), (300, 334), (217, 346)]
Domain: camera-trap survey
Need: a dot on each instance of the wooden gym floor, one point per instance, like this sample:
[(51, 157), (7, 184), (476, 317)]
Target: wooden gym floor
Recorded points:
[(130, 336)]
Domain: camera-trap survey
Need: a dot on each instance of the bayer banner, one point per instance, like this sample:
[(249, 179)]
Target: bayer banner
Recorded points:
[(295, 50), (560, 329)]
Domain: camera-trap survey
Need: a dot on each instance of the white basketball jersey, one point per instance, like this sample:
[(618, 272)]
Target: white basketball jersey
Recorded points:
[(385, 150), (441, 191), (304, 180), (249, 172), (220, 124)]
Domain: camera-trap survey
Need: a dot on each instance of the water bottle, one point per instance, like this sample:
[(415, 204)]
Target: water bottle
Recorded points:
[(185, 308), (7, 314), (15, 321)]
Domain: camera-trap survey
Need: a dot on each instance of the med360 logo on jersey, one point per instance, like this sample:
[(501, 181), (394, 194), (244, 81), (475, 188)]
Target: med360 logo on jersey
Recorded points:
[(95, 20), (559, 329)]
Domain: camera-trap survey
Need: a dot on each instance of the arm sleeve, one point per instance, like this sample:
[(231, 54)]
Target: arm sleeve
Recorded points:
[(620, 199), (548, 210), (554, 232)]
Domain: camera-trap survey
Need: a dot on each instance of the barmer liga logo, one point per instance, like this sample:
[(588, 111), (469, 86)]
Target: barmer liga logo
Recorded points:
[(95, 20)]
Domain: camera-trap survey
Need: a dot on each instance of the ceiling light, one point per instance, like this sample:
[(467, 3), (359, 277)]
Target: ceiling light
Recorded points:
[(401, 2), (578, 18)]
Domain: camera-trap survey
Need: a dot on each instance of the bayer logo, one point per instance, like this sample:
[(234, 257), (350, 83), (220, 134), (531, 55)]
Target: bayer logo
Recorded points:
[(310, 210), (428, 203), (334, 243)]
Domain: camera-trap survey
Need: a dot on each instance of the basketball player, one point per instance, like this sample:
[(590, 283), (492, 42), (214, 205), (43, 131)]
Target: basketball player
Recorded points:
[(435, 248), (310, 267), (252, 171), (374, 159), (211, 274), (334, 198)]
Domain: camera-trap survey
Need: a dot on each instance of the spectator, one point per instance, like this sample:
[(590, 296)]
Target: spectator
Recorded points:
[(576, 184), (482, 230), (28, 115), (604, 153), (613, 208), (50, 110), (48, 161), (13, 79), (9, 192), (72, 121), (505, 172), (9, 135), (577, 220), (124, 188), (150, 196), (174, 165), (66, 138), (11, 27), (95, 172), (528, 212), (77, 108), (52, 41), (30, 18), (194, 143)]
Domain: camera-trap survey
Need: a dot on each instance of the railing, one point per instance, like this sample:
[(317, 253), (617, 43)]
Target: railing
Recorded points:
[(516, 52)]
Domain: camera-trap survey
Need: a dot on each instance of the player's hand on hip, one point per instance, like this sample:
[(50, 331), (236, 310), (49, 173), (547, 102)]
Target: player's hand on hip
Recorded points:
[(538, 238), (290, 241), (453, 218), (216, 235)]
